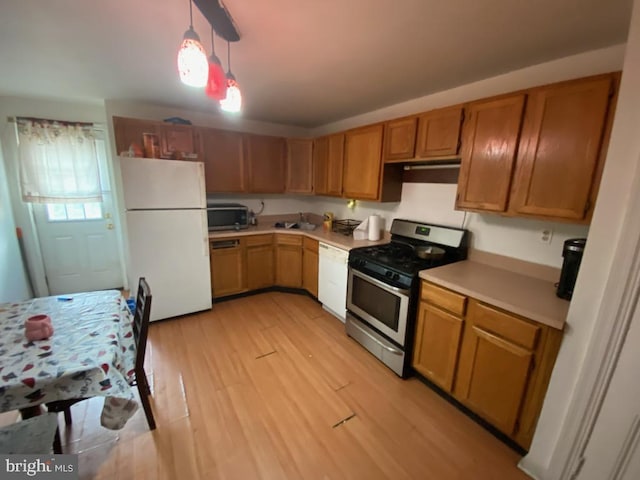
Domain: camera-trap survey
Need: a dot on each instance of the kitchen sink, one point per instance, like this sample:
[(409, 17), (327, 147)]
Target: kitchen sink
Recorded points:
[(307, 226)]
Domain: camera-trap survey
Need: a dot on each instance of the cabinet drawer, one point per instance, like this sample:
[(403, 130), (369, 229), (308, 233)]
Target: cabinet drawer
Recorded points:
[(295, 240), (258, 240), (504, 325), (310, 244), (451, 301)]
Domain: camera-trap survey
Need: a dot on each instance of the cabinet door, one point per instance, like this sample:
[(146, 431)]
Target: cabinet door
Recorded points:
[(289, 261), (439, 133), (560, 148), (492, 377), (310, 266), (266, 163), (176, 140), (130, 130), (435, 351), (400, 139), (335, 167), (362, 161), (490, 138), (321, 166), (223, 157), (299, 165), (260, 267), (227, 268)]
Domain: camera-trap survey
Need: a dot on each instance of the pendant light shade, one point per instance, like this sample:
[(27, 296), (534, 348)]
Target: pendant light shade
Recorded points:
[(232, 103), (216, 87), (192, 59)]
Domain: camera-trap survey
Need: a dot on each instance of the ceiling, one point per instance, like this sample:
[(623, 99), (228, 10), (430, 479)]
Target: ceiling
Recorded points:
[(299, 62)]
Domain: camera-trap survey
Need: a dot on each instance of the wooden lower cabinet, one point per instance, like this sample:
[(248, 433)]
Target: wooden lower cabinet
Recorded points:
[(260, 261), (310, 266), (288, 260), (494, 362), (227, 267), (435, 352)]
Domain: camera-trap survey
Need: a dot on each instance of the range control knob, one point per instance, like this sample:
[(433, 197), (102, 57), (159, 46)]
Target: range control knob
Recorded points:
[(396, 276), (388, 274)]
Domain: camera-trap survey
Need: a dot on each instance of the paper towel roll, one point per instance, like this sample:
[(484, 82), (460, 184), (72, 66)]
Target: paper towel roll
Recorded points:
[(374, 227)]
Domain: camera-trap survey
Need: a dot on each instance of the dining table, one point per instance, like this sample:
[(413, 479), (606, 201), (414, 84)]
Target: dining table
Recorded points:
[(91, 353)]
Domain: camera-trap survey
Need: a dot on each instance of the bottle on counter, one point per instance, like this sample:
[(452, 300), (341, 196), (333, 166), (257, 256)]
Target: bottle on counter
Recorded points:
[(327, 223)]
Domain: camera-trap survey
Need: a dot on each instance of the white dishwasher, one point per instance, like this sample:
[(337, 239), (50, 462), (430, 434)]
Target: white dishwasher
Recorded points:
[(332, 279)]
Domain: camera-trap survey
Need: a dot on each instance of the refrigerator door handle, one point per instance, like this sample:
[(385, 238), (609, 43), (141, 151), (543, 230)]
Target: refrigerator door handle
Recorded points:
[(205, 230)]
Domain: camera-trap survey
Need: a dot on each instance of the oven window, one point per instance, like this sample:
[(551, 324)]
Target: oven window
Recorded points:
[(378, 303)]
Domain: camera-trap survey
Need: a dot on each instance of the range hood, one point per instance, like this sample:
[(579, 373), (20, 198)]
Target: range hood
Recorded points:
[(432, 164)]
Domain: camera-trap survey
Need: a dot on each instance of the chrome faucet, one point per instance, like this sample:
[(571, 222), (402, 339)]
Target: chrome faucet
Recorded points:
[(302, 218)]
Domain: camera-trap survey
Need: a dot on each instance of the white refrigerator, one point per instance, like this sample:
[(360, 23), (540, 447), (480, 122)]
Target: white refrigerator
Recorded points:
[(167, 233)]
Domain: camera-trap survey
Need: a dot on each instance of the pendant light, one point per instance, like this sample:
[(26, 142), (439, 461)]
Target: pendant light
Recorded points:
[(217, 82), (232, 103), (192, 59)]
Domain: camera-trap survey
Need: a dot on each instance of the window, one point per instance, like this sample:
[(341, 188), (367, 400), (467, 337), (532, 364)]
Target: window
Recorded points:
[(63, 212)]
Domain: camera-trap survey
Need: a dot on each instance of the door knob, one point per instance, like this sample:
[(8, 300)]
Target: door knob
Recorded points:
[(109, 226), (107, 215)]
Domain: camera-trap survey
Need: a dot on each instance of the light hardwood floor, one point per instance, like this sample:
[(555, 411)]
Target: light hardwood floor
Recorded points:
[(270, 387)]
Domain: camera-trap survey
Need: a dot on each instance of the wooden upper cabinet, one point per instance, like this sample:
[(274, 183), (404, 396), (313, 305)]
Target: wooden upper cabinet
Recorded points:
[(335, 164), (265, 158), (439, 133), (560, 149), (321, 165), (176, 140), (362, 163), (130, 130), (400, 139), (223, 157), (299, 165), (328, 160), (490, 139)]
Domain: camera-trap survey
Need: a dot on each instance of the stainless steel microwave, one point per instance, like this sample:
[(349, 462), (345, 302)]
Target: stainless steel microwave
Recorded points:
[(227, 216)]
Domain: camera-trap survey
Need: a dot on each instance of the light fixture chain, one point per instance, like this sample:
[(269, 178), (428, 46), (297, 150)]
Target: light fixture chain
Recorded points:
[(191, 13)]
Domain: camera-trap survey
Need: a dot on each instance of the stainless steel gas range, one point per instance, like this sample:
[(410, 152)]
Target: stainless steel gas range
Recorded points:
[(383, 287)]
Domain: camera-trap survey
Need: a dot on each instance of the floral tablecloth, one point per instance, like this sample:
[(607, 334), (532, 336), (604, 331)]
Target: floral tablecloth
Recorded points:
[(91, 353)]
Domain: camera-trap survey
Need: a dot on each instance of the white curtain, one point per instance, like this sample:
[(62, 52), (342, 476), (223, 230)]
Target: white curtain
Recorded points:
[(58, 162)]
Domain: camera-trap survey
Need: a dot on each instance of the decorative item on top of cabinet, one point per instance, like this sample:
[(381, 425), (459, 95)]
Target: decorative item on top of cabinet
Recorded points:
[(227, 267), (223, 156), (310, 265), (260, 261), (439, 133), (364, 175), (288, 260), (177, 141), (438, 334), (489, 143), (128, 131), (562, 148), (400, 139), (299, 165), (265, 158)]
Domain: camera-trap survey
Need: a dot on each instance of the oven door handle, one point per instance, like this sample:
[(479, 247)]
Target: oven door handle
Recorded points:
[(386, 347), (380, 284)]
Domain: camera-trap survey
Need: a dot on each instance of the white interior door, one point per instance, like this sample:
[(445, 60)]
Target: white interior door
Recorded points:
[(79, 241), (613, 452)]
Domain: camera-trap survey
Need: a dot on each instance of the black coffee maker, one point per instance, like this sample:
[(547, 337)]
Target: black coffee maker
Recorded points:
[(572, 253)]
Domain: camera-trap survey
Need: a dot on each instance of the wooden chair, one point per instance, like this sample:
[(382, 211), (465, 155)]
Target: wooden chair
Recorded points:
[(140, 332)]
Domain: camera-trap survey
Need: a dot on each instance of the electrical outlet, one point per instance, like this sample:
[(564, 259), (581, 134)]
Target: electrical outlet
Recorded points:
[(546, 235)]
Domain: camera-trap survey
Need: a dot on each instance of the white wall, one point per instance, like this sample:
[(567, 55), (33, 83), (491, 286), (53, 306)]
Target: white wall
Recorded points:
[(589, 307), (13, 279)]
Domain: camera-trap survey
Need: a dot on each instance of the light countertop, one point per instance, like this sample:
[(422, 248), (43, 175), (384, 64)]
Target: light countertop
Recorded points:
[(336, 239), (528, 296)]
